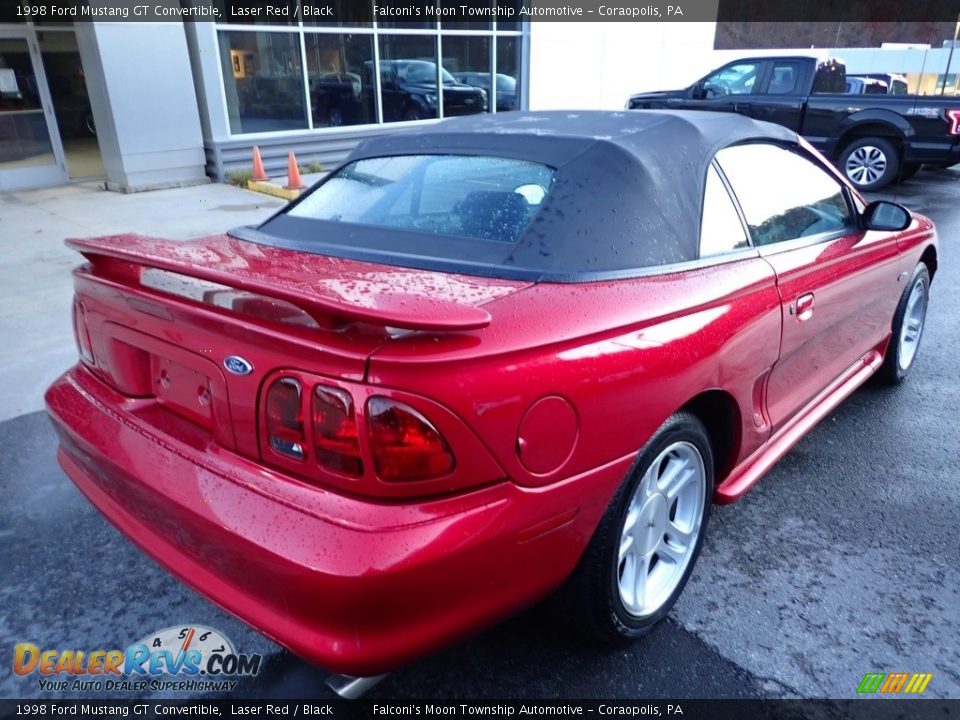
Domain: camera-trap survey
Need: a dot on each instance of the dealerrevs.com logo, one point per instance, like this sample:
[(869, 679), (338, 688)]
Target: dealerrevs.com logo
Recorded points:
[(201, 658)]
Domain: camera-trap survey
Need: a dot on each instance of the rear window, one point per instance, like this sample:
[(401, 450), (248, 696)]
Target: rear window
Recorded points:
[(485, 198)]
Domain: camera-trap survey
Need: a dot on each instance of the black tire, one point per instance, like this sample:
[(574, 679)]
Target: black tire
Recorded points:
[(870, 163), (413, 113), (335, 117), (590, 600), (893, 372), (908, 170)]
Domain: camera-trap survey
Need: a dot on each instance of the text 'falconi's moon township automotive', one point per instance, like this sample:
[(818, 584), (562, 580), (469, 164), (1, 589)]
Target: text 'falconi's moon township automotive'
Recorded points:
[(481, 364)]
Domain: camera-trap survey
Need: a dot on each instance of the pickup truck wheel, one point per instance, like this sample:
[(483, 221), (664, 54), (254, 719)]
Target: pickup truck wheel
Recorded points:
[(644, 549), (870, 163)]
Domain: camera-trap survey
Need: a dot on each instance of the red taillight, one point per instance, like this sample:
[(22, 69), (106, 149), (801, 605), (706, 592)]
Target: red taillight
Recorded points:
[(285, 418), (335, 431), (954, 117), (81, 333), (405, 445)]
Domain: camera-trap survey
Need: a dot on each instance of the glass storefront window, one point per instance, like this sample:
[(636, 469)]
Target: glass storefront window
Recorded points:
[(408, 77), (339, 71), (509, 62), (444, 70), (467, 59), (263, 81), (24, 136)]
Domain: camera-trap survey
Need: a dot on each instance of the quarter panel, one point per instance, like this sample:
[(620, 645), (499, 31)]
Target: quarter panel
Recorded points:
[(625, 355)]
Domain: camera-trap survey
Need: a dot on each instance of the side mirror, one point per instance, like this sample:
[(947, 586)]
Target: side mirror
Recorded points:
[(887, 216), (696, 92)]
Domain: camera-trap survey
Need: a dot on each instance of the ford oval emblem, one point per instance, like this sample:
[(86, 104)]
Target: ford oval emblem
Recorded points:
[(237, 365)]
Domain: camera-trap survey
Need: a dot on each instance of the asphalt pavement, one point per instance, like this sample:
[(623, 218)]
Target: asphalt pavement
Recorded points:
[(842, 561)]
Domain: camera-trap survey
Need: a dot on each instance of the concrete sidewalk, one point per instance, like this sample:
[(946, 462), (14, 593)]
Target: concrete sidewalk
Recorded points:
[(36, 338)]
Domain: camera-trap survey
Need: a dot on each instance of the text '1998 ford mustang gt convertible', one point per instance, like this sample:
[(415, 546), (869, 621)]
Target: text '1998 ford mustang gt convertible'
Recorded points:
[(479, 364)]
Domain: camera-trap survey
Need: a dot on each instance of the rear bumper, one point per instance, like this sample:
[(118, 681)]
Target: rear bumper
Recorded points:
[(355, 586)]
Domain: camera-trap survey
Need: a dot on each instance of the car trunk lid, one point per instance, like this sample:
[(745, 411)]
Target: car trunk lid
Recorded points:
[(191, 329)]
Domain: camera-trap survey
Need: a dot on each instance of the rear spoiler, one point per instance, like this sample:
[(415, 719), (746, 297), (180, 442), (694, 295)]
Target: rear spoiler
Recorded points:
[(301, 279)]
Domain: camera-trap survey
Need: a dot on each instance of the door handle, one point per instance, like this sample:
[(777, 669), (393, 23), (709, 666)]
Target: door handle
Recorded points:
[(802, 309)]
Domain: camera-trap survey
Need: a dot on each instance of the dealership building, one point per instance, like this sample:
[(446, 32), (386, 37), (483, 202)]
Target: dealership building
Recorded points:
[(145, 105)]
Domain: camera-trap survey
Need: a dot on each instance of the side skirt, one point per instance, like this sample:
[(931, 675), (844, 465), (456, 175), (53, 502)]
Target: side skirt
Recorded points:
[(747, 473)]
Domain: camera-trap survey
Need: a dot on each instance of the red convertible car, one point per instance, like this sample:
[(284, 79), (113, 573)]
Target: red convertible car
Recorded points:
[(483, 363)]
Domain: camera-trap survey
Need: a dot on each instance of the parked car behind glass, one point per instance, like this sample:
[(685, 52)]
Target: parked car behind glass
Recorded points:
[(409, 91), (506, 87)]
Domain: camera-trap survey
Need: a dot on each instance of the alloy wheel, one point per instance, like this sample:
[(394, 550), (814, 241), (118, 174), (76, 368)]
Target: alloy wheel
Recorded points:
[(912, 326), (659, 534), (866, 164)]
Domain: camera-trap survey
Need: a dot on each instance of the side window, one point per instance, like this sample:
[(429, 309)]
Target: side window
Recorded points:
[(784, 79), (830, 77), (720, 228), (783, 194), (388, 77), (737, 79)]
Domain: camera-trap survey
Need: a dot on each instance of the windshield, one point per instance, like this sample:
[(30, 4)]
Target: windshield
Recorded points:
[(485, 198), (506, 84), (421, 71)]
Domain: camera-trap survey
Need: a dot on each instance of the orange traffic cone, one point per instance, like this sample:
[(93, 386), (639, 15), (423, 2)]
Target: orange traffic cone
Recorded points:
[(259, 174), (293, 174)]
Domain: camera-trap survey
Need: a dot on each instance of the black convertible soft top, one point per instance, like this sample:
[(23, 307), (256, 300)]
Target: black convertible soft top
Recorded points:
[(627, 195)]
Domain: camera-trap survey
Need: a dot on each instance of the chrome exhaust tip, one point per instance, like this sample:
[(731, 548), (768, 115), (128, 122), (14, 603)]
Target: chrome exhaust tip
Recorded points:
[(352, 688)]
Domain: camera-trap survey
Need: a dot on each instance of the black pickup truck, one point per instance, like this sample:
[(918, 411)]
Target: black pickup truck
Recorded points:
[(874, 139)]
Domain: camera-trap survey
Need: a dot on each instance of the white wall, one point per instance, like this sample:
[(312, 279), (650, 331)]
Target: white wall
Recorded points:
[(144, 104), (597, 65)]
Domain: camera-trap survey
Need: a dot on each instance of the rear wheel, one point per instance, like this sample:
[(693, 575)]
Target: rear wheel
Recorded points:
[(870, 163), (908, 323), (647, 542)]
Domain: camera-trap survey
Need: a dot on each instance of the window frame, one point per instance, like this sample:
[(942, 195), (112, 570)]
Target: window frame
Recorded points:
[(800, 242), (797, 90), (750, 250), (758, 82)]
